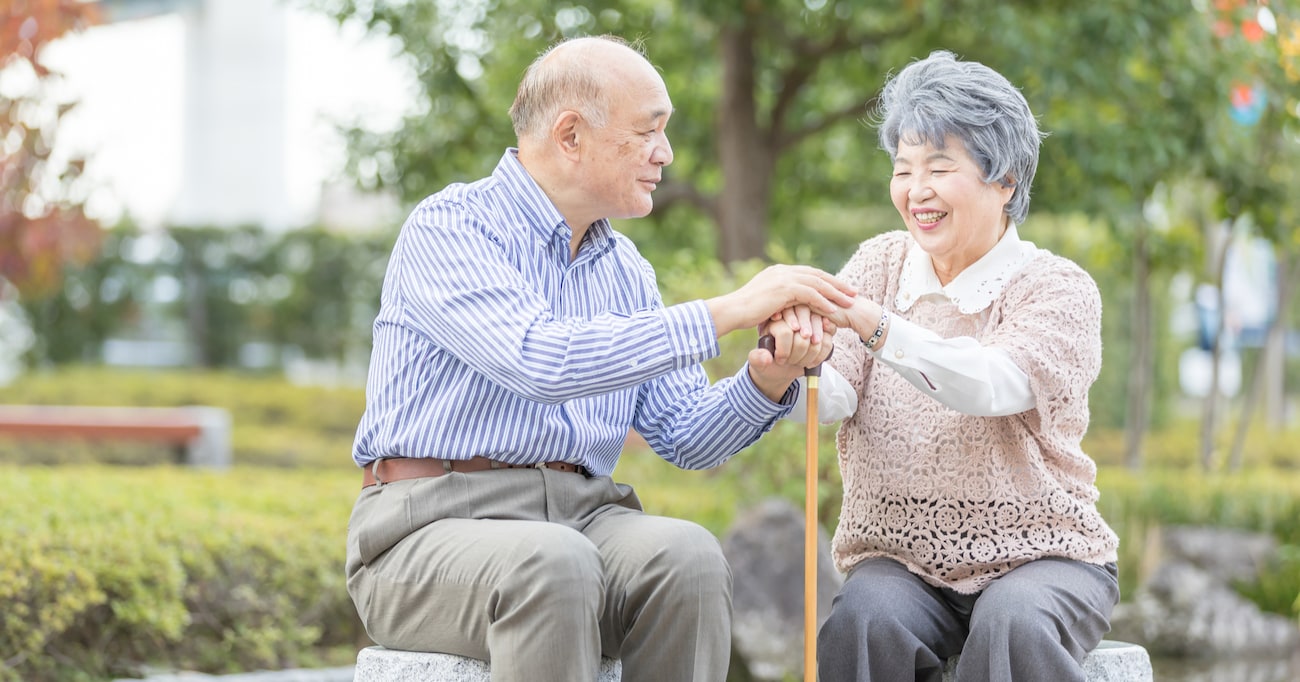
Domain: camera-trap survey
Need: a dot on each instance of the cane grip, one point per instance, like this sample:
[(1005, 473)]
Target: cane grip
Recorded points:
[(768, 343)]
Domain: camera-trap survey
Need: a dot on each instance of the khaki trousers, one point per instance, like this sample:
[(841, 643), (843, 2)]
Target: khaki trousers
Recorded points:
[(539, 573)]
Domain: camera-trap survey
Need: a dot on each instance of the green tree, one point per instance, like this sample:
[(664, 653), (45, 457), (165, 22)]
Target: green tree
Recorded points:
[(1127, 100), (93, 302), (1254, 156), (770, 97)]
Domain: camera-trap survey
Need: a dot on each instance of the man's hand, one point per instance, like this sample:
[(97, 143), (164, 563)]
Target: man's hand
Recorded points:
[(800, 319), (801, 340), (775, 289)]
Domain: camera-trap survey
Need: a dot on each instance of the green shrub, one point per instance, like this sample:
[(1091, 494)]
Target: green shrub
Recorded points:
[(1137, 504), (1179, 445), (109, 569)]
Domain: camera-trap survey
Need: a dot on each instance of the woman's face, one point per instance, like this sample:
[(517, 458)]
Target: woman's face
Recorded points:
[(948, 208)]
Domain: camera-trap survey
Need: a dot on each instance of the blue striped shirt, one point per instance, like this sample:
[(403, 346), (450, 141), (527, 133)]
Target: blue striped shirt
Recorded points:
[(490, 342)]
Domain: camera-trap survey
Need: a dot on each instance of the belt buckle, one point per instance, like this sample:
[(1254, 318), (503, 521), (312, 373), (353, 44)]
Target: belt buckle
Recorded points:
[(374, 471)]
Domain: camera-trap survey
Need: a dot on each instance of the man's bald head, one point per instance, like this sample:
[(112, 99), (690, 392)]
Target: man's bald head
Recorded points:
[(572, 75)]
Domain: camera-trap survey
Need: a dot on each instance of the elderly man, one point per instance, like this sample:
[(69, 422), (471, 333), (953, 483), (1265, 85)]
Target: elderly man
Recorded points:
[(519, 339)]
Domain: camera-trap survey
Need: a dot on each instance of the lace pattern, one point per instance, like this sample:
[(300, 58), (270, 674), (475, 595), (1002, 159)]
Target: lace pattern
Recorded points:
[(961, 499)]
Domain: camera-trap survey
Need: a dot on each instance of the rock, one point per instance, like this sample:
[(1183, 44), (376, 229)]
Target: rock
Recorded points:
[(1226, 554), (765, 549), (1187, 608)]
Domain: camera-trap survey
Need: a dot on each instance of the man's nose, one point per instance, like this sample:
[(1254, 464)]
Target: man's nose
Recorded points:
[(663, 153)]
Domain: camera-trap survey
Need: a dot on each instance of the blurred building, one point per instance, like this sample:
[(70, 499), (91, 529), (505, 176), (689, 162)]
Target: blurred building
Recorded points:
[(244, 123), (233, 152), (230, 145)]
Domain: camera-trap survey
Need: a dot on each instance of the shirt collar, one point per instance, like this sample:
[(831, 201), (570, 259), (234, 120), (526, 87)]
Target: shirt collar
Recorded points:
[(540, 213), (976, 287)]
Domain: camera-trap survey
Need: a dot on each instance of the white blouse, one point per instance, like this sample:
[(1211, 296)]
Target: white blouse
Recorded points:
[(958, 372)]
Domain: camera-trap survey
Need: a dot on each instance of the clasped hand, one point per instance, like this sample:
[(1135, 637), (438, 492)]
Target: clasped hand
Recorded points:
[(801, 338)]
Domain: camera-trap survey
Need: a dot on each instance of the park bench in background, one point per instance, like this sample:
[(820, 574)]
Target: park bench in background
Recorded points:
[(200, 434)]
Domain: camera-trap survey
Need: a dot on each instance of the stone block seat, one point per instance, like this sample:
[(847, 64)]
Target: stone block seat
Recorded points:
[(1111, 661), (377, 664)]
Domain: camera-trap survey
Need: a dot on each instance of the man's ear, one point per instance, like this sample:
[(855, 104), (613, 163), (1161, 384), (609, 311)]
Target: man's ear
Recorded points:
[(566, 133)]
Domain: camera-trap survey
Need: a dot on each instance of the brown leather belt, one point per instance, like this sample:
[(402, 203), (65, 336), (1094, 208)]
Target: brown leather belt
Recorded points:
[(401, 468)]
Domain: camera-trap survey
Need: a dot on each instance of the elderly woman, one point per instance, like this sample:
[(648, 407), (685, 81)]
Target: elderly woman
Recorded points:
[(969, 522)]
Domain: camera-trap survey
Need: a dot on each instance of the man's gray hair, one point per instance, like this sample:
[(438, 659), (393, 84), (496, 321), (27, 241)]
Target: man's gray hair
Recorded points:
[(551, 85), (940, 96)]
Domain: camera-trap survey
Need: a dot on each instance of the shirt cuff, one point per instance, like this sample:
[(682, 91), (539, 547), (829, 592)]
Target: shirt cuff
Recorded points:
[(836, 398), (900, 344), (752, 406), (692, 338)]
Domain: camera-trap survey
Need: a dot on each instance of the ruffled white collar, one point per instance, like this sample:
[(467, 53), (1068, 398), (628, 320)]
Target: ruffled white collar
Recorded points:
[(976, 287)]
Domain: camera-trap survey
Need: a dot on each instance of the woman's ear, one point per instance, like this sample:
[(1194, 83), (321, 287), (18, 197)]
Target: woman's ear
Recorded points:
[(1008, 187)]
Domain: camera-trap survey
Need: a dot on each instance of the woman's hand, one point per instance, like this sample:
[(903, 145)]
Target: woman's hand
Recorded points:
[(801, 339)]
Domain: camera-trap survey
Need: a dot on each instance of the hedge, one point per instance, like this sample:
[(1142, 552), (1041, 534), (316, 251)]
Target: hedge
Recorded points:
[(109, 569)]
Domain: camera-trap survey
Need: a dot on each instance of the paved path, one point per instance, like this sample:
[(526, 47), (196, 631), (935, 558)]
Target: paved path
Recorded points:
[(294, 675)]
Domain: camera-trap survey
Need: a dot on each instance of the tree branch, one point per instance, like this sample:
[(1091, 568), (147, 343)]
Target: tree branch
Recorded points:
[(808, 57), (675, 191), (857, 109)]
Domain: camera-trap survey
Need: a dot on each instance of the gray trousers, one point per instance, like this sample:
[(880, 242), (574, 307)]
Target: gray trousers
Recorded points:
[(1035, 623), (539, 573)]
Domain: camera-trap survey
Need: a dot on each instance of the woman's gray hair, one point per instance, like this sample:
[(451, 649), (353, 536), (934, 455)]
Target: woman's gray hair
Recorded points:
[(555, 83), (940, 96)]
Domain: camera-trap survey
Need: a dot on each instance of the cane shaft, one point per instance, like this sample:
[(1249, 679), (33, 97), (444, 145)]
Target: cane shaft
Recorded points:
[(810, 538)]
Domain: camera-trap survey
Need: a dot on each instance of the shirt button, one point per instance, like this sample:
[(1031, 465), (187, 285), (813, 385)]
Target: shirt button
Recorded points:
[(898, 354)]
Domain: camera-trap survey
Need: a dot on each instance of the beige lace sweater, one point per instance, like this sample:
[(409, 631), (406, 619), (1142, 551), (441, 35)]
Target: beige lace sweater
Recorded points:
[(961, 499)]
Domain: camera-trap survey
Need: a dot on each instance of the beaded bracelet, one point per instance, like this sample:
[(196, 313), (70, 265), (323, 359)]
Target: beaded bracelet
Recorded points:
[(880, 331)]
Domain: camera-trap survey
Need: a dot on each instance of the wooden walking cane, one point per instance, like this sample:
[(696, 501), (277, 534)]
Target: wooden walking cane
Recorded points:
[(812, 376)]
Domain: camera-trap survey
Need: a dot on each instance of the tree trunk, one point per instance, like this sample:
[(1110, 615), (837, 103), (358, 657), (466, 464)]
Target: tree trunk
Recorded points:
[(1268, 368), (745, 152), (1140, 366), (1210, 408), (1275, 347), (196, 307)]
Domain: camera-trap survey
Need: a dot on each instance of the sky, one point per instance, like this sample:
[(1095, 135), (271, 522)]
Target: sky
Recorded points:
[(129, 78)]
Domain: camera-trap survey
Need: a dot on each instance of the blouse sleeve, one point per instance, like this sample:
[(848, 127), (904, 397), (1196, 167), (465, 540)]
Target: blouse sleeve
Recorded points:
[(959, 372)]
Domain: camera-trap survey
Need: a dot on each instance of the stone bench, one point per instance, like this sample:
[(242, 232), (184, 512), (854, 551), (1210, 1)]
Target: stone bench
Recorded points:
[(377, 664), (1111, 661)]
